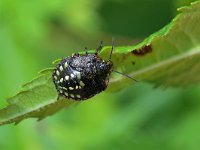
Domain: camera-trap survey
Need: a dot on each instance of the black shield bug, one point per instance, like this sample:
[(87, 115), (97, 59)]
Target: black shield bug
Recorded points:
[(80, 77)]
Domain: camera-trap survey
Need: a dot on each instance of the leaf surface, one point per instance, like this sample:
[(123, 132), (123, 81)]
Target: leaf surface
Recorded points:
[(169, 57)]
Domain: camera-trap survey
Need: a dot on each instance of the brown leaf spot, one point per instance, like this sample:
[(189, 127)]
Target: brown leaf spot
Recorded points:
[(143, 50)]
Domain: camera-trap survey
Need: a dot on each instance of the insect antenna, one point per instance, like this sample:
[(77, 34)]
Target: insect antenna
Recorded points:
[(125, 75), (113, 45)]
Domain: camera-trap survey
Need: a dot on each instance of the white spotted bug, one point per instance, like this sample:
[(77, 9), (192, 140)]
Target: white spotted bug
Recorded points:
[(81, 77)]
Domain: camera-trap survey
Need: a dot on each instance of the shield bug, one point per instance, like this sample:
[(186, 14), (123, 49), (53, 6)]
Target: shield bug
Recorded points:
[(82, 76)]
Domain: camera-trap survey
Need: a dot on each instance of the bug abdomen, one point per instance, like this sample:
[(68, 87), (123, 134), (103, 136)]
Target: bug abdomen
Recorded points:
[(81, 77)]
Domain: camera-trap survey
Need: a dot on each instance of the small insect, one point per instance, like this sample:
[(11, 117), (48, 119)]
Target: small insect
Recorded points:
[(81, 77)]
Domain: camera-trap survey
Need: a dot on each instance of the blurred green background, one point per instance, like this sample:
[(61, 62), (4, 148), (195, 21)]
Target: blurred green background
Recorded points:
[(34, 33)]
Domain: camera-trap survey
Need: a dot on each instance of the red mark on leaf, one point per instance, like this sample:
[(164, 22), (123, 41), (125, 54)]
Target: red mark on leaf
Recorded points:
[(142, 51)]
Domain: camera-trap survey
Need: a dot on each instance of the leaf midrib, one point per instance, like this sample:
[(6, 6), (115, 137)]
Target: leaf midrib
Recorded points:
[(174, 59)]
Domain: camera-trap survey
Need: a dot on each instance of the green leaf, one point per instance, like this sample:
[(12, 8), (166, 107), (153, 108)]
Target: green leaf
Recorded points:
[(169, 57), (38, 99), (173, 57)]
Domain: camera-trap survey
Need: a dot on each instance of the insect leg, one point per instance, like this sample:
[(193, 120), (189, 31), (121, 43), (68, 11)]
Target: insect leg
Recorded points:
[(98, 49), (86, 50)]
